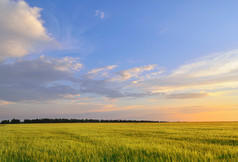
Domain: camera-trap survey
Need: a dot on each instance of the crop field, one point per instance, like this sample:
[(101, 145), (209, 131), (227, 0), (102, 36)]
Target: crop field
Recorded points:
[(119, 142)]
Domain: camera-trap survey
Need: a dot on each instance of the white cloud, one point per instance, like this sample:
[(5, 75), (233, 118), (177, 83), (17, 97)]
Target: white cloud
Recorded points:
[(97, 70), (102, 72), (100, 14), (214, 72), (213, 65), (21, 29), (70, 64), (97, 12), (134, 72)]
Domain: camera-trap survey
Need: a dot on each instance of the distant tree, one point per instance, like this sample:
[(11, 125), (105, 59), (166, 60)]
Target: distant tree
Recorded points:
[(5, 122), (62, 120), (15, 121)]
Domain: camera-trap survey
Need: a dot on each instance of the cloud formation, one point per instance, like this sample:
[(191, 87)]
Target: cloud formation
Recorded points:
[(196, 79), (212, 65), (136, 72), (21, 29), (40, 79), (97, 70), (101, 72), (214, 72), (47, 78), (100, 14)]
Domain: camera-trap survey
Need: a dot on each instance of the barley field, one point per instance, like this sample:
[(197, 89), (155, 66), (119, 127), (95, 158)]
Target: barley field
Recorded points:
[(119, 142)]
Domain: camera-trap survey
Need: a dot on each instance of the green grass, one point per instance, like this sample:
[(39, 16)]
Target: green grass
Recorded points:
[(119, 142)]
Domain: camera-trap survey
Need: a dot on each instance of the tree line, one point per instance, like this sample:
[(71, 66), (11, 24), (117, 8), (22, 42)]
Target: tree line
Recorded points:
[(61, 120)]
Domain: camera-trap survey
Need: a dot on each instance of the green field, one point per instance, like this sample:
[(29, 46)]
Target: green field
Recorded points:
[(119, 142)]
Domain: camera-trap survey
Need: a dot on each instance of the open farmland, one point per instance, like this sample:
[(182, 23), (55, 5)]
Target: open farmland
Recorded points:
[(119, 142)]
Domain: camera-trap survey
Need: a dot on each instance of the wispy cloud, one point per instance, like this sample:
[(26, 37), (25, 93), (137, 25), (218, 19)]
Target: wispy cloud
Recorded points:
[(211, 73), (100, 14), (101, 72), (136, 72), (212, 65)]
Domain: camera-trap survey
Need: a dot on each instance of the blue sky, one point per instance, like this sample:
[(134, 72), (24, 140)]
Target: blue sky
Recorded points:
[(152, 32), (119, 56)]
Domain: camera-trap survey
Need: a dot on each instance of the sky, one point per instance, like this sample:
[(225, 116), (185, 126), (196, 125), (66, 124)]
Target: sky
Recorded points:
[(142, 60)]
